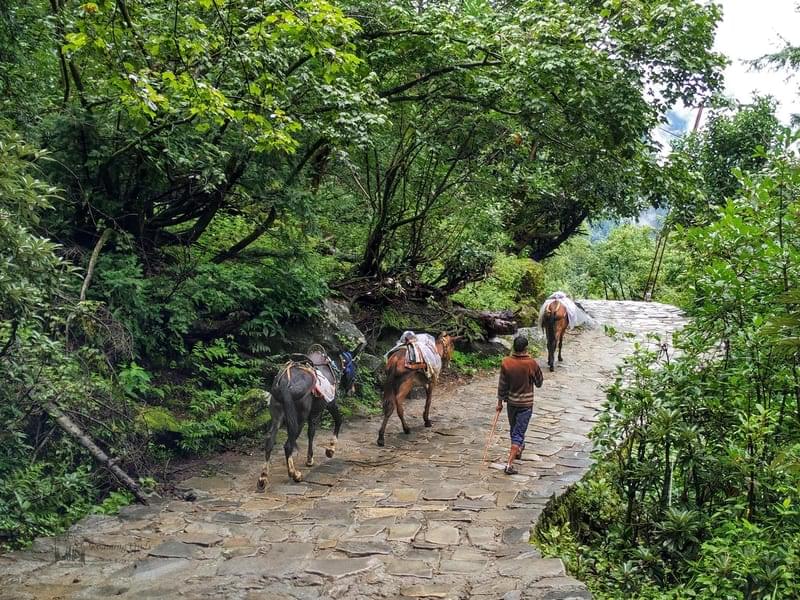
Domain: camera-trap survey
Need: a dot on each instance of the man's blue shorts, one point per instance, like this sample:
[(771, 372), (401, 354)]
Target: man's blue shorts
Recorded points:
[(518, 419)]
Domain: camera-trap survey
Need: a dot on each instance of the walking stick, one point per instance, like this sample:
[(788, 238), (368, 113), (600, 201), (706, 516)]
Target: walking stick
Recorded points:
[(491, 436)]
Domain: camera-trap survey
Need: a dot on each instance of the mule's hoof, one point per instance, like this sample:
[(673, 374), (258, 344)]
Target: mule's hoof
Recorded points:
[(261, 485), (406, 430), (428, 423), (380, 441), (310, 462), (560, 359), (552, 369), (297, 476), (329, 452)]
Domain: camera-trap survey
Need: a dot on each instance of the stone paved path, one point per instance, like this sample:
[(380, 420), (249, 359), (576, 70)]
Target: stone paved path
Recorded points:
[(420, 518)]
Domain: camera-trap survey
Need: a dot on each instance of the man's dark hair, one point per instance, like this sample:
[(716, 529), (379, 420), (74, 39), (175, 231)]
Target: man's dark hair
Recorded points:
[(520, 343)]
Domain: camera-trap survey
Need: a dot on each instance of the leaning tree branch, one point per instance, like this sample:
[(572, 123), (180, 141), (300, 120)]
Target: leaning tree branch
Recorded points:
[(71, 428)]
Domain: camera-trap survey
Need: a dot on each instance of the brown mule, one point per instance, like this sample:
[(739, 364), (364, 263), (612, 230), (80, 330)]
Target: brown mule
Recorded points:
[(554, 322), (400, 379)]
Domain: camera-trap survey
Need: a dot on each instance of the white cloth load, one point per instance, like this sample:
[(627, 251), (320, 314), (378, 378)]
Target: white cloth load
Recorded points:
[(575, 316), (427, 345), (324, 387)]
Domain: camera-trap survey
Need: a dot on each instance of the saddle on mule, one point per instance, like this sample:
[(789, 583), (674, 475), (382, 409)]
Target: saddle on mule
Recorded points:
[(415, 360), (321, 366), (420, 355)]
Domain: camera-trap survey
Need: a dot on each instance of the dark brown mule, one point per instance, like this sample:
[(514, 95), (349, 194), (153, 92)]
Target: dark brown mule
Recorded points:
[(295, 403), (554, 322), (400, 379)]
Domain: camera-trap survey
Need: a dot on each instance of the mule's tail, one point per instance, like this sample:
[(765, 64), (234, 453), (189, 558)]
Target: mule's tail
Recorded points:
[(390, 386), (549, 319), (389, 391), (284, 396)]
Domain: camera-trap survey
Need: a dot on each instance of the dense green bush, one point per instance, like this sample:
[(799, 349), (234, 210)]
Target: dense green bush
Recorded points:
[(46, 481), (512, 283), (696, 489)]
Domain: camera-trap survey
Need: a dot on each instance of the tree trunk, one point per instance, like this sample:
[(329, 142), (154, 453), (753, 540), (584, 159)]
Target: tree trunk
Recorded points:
[(69, 426), (494, 323), (370, 263), (93, 262)]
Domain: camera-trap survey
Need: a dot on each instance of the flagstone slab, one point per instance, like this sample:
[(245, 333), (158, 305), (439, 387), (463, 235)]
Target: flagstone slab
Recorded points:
[(363, 548), (461, 516), (516, 535), (426, 591), (128, 513), (260, 566), (574, 463), (337, 568), (289, 489), (379, 512), (279, 516), (273, 534), (562, 584), (404, 495), (429, 507), (461, 567), (174, 549), (421, 543), (217, 503), (534, 569), (496, 587), (200, 539), (444, 535), (403, 532), (368, 531), (227, 517), (476, 492), (207, 484), (443, 493), (482, 537), (409, 568), (501, 515), (469, 554), (155, 568), (473, 505), (544, 448)]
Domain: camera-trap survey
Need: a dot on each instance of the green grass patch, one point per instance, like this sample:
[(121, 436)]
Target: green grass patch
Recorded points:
[(470, 364)]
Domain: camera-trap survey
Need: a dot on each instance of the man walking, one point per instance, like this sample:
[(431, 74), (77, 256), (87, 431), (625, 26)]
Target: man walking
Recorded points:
[(518, 374)]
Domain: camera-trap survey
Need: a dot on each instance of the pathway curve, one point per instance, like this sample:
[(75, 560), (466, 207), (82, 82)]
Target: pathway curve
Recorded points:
[(419, 518)]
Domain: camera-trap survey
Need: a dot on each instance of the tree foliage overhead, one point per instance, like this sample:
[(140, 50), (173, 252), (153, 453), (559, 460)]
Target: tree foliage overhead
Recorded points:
[(734, 138), (167, 115)]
